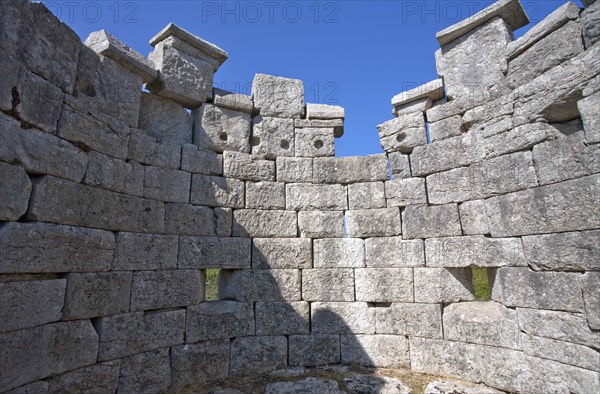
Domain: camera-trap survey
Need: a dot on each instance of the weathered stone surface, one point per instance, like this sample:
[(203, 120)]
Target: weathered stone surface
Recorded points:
[(163, 118), (446, 128), (131, 333), (517, 139), (167, 185), (154, 151), (415, 320), (589, 23), (277, 96), (422, 221), (264, 223), (166, 289), (98, 378), (324, 111), (361, 383), (336, 124), (201, 161), (443, 155), (255, 355), (10, 78), (563, 326), (96, 294), (219, 320), (382, 351), (384, 284), (577, 251), (342, 318), (40, 153), (265, 195), (36, 353), (420, 105), (186, 219), (148, 372), (592, 298), (260, 285), (544, 290), (328, 284), (202, 362), (367, 195), (247, 167), (400, 165), (444, 386), (114, 174), (339, 253), (404, 133), (404, 192), (373, 223), (282, 318), (321, 224), (216, 191), (351, 169), (443, 285), (239, 102), (393, 252), (281, 253), (294, 169), (473, 218), (473, 251), (43, 247), (433, 90), (213, 252), (534, 211), (30, 303), (15, 189), (220, 129), (316, 197), (590, 117), (145, 252), (272, 137), (563, 352), (492, 111), (307, 385), (314, 350), (34, 93), (314, 142), (486, 323)]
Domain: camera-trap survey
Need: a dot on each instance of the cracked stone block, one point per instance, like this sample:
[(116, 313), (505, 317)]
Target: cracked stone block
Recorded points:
[(166, 289), (96, 294), (589, 22), (399, 164), (403, 133), (446, 128), (203, 361), (314, 142), (114, 174), (260, 285), (101, 377), (404, 192), (479, 251), (281, 253), (258, 355), (187, 219), (219, 129), (384, 284), (517, 139), (216, 191), (590, 117), (342, 318), (444, 155), (443, 285), (328, 284), (264, 223), (201, 161), (15, 189), (138, 252), (473, 218), (34, 93), (592, 298), (219, 320), (574, 251), (422, 221), (367, 195), (367, 223), (314, 350), (277, 96), (382, 351), (339, 253), (351, 169), (272, 137), (308, 197), (394, 252), (321, 224), (413, 320), (247, 167), (282, 318), (214, 252), (164, 118), (145, 372), (294, 169), (167, 185), (155, 152), (563, 352), (265, 195)]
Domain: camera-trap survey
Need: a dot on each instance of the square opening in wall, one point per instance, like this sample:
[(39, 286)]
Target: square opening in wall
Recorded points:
[(211, 291), (481, 284)]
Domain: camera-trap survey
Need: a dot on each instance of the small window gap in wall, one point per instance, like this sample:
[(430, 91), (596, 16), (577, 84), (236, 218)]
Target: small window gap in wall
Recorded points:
[(481, 283), (211, 291)]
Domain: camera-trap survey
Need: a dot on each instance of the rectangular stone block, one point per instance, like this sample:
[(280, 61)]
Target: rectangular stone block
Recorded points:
[(519, 138), (307, 197), (34, 92), (446, 128), (131, 333), (269, 253), (314, 350), (351, 169), (422, 221), (404, 192), (413, 320), (366, 195), (394, 252), (367, 223), (328, 284), (187, 219), (265, 195), (60, 201), (294, 169), (44, 247), (219, 320), (247, 167), (201, 161), (474, 251), (590, 118), (339, 253), (384, 284), (563, 326), (381, 351), (113, 174), (166, 289), (321, 224), (272, 137), (563, 352), (399, 165), (138, 252), (103, 377), (264, 223), (219, 129), (149, 371), (576, 251), (225, 99), (202, 362), (282, 318), (216, 191), (443, 285), (278, 96), (473, 218), (258, 355), (443, 155), (153, 151), (213, 252), (403, 134), (96, 294), (30, 303), (315, 142), (260, 285), (592, 298), (336, 124), (324, 111), (342, 318), (167, 185), (15, 189)]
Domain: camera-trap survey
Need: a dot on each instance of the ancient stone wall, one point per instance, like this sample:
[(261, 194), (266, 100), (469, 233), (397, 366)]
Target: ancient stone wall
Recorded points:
[(115, 202)]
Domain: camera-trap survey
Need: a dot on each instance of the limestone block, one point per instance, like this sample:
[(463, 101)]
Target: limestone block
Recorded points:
[(384, 284), (590, 117), (213, 252), (15, 189), (419, 105), (576, 251), (321, 224), (246, 167), (404, 192), (260, 285), (544, 290), (399, 164), (223, 221), (156, 152), (533, 211), (272, 137), (589, 23), (443, 155), (163, 118), (145, 252), (373, 223), (239, 102), (282, 318), (342, 318), (307, 385), (167, 185), (479, 251), (566, 158), (281, 253), (394, 252), (520, 138), (314, 142), (10, 77), (96, 294), (131, 333), (314, 350), (265, 195), (403, 134), (310, 197), (351, 169), (563, 326), (219, 320), (563, 352), (277, 96), (44, 247), (145, 372), (324, 111), (443, 285), (257, 355), (220, 129), (186, 219), (113, 174), (216, 191), (422, 221), (264, 223), (339, 253), (101, 377), (592, 298), (33, 93), (40, 153), (433, 90), (473, 218), (31, 303), (446, 128), (166, 289), (359, 383), (486, 323), (201, 161), (202, 362), (382, 351), (367, 195), (328, 284), (444, 386), (294, 169), (336, 124), (414, 320), (490, 112)]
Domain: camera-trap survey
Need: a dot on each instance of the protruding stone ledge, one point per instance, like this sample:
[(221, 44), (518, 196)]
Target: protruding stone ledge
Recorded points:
[(240, 102), (433, 90)]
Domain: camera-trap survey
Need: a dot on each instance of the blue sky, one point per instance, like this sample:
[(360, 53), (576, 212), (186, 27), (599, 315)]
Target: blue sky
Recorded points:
[(357, 54)]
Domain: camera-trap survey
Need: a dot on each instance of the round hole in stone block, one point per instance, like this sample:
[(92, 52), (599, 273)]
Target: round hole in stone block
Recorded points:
[(318, 144), (255, 141), (223, 136), (400, 137), (284, 144)]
